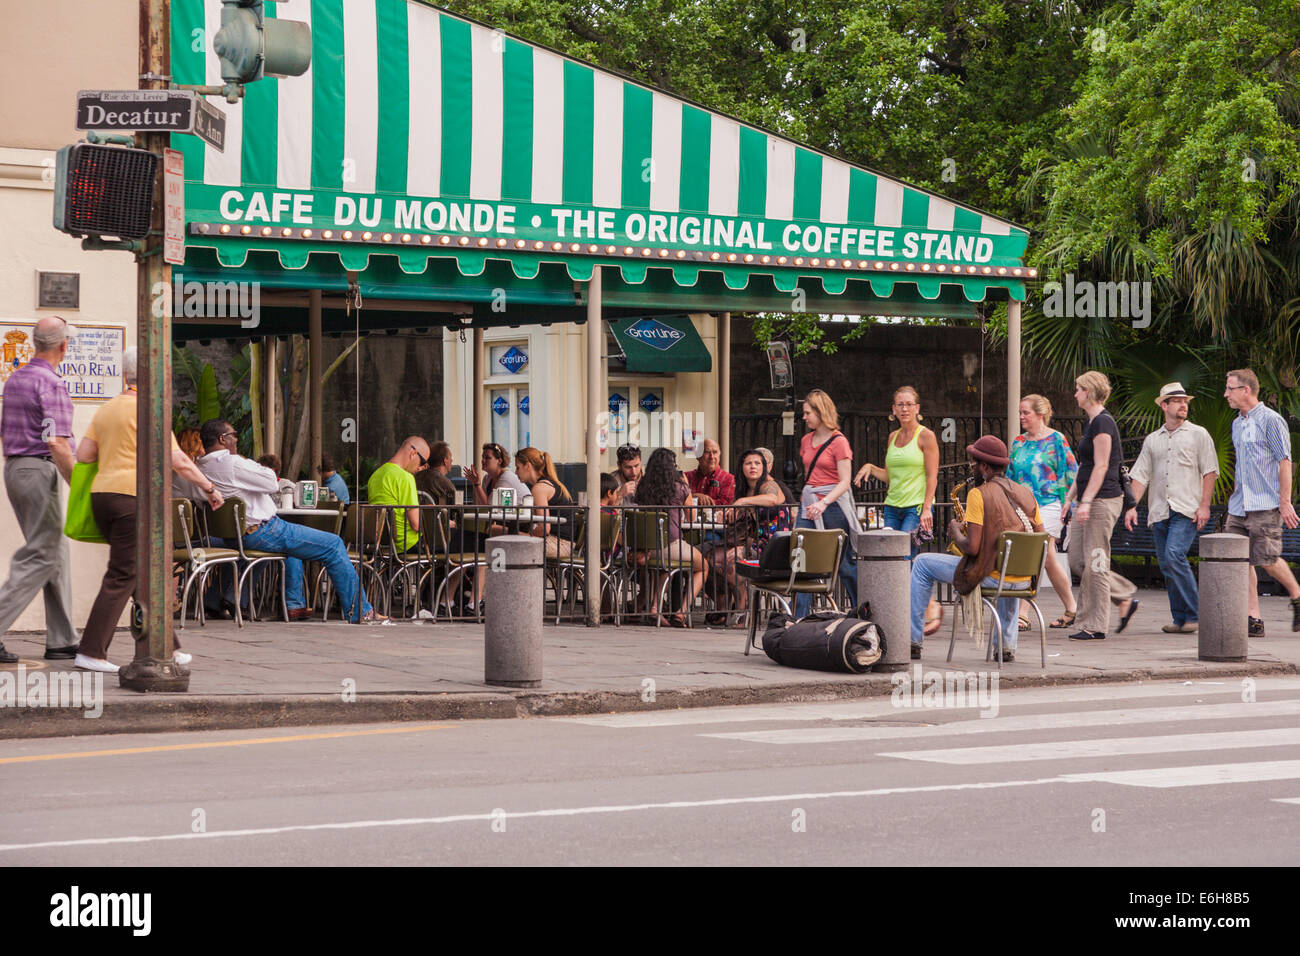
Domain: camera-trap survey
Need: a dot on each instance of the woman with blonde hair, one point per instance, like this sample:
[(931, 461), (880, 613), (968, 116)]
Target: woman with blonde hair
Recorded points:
[(912, 473), (826, 500), (911, 467), (535, 469), (1042, 461), (1100, 495)]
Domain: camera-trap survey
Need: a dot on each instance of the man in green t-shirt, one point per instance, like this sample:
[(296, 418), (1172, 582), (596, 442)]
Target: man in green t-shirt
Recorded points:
[(393, 483)]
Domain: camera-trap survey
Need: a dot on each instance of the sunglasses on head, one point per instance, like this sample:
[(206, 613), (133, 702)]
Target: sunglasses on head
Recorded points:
[(628, 452)]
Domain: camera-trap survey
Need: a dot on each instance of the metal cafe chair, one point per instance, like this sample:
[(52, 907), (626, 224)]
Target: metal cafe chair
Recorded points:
[(817, 574), (228, 523), (194, 563), (1022, 554), (611, 530), (647, 541), (451, 566), (363, 528)]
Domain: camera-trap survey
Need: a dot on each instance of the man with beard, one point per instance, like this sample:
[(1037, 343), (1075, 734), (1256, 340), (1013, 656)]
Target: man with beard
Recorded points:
[(1178, 466)]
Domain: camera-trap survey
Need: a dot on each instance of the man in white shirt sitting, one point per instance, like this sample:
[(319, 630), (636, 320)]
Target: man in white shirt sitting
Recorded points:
[(236, 476)]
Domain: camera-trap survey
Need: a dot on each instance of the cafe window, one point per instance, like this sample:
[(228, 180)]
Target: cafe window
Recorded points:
[(638, 413), (507, 376)]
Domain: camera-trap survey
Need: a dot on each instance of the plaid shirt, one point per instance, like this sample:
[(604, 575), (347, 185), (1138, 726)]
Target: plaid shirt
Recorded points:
[(1262, 441), (36, 408), (720, 485)]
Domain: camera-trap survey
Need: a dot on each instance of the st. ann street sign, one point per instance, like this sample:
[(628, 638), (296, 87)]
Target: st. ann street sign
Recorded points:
[(151, 111)]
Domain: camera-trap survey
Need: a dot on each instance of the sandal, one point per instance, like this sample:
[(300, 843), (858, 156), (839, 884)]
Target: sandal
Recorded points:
[(1024, 623), (676, 620), (932, 624), (1064, 621)]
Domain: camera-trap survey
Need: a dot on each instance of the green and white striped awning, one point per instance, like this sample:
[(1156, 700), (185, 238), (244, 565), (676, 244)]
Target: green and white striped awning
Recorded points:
[(417, 134)]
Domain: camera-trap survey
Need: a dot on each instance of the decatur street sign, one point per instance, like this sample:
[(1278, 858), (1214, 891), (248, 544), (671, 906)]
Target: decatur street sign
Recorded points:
[(151, 111)]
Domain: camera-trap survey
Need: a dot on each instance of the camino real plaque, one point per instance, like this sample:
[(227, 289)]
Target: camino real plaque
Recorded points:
[(92, 369), (58, 290)]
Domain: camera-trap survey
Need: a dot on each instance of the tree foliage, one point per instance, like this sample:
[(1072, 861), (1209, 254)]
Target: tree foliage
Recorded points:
[(1138, 140)]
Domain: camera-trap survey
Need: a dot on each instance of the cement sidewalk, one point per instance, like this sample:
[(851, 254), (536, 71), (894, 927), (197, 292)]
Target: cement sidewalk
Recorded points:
[(281, 675)]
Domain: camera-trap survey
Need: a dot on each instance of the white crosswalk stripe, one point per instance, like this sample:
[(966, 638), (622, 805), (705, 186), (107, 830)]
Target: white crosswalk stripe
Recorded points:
[(1166, 777), (1092, 718), (861, 709), (1072, 749), (1295, 800)]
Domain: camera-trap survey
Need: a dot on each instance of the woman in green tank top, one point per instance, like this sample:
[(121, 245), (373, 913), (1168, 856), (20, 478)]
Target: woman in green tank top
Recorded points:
[(911, 467), (912, 473)]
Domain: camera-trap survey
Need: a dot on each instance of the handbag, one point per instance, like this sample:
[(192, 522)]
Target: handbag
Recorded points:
[(79, 525)]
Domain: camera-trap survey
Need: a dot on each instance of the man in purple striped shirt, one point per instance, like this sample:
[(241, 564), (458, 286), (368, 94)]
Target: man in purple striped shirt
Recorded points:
[(36, 431)]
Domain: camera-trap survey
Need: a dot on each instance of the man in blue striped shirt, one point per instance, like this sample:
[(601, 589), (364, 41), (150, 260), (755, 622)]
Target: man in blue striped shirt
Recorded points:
[(1261, 500)]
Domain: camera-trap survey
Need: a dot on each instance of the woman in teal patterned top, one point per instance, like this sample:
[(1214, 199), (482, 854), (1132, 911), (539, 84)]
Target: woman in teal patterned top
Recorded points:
[(1042, 461)]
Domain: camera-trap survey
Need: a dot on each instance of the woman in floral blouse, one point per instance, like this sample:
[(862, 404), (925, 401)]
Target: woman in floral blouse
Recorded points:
[(1042, 461)]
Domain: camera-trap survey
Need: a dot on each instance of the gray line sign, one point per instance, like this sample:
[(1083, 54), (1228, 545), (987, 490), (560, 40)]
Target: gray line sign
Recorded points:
[(151, 111)]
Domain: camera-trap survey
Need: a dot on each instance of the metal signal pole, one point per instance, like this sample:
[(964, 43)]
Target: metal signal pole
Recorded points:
[(153, 669)]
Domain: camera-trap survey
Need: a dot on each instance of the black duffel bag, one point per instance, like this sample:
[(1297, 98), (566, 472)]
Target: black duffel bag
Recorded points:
[(825, 641)]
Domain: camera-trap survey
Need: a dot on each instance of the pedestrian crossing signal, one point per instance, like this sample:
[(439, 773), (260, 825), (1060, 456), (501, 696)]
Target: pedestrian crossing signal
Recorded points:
[(104, 190), (250, 46)]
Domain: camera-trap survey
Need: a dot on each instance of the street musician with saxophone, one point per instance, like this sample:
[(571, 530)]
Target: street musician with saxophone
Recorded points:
[(997, 504)]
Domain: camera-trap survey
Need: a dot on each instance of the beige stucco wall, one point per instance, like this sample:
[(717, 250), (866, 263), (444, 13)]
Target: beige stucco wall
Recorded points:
[(52, 49)]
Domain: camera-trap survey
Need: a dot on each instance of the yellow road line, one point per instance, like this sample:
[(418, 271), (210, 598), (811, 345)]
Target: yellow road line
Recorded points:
[(224, 743)]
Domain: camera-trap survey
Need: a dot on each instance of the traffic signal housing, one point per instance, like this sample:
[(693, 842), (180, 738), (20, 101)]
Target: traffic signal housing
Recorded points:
[(104, 190), (250, 46)]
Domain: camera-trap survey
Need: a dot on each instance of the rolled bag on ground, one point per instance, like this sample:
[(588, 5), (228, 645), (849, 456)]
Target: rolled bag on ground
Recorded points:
[(824, 641)]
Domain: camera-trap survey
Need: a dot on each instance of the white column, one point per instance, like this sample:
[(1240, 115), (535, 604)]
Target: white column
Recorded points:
[(1013, 370), (478, 399), (595, 394), (724, 387)]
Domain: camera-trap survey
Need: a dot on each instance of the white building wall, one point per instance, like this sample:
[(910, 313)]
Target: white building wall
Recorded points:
[(29, 244)]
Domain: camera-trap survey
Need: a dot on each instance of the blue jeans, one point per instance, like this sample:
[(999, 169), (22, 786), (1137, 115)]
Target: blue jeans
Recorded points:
[(308, 544), (833, 517), (903, 519), (929, 568), (294, 597), (1173, 538)]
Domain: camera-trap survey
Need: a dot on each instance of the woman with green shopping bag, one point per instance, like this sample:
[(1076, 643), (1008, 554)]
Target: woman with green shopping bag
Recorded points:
[(111, 443)]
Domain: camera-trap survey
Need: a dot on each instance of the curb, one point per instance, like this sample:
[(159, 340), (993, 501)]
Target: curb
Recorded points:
[(168, 714)]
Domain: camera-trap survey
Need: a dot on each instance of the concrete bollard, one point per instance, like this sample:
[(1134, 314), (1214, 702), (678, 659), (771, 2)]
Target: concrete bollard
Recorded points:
[(884, 579), (1224, 594), (514, 595)]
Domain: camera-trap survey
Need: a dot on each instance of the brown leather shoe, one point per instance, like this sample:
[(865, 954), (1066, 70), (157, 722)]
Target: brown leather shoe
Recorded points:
[(300, 613)]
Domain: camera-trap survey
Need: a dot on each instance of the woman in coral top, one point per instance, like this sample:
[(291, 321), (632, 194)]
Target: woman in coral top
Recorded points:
[(826, 501)]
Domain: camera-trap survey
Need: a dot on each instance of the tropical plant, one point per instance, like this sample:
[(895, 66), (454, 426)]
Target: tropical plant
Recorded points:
[(210, 399)]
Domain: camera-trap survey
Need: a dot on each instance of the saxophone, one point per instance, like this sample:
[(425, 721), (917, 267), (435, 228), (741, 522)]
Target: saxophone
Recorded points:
[(959, 492)]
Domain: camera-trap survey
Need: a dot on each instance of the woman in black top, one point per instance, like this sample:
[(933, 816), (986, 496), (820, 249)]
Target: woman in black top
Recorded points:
[(536, 470), (1100, 495)]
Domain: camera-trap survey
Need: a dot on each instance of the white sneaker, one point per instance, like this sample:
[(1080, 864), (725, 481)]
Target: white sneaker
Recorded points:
[(180, 657), (95, 664)]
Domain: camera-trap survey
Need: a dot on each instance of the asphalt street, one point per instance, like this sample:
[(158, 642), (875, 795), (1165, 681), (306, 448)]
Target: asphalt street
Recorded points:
[(1144, 774)]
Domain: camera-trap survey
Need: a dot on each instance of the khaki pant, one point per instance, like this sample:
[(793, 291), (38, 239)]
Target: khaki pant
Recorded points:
[(41, 565), (1090, 560)]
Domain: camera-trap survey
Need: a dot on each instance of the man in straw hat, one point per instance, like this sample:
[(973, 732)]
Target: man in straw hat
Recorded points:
[(998, 504), (1178, 466)]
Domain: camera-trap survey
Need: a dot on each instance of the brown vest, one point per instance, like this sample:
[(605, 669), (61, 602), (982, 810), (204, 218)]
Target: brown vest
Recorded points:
[(1001, 496)]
